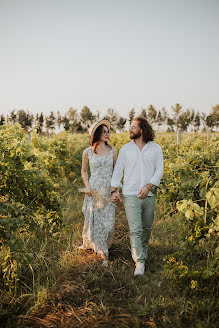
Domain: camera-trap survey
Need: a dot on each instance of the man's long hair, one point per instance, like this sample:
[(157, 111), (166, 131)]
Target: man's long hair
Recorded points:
[(147, 131)]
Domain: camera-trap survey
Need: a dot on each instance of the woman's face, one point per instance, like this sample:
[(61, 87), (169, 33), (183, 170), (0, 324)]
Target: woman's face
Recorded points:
[(104, 134)]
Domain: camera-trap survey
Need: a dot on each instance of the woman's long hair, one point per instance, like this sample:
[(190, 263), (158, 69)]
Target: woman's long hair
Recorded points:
[(94, 141), (148, 132)]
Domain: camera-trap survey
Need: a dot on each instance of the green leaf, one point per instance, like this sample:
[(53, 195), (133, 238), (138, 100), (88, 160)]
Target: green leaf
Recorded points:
[(213, 197), (189, 214)]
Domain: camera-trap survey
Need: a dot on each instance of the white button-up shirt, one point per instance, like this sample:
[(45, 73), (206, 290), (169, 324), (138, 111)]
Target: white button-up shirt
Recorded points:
[(140, 167)]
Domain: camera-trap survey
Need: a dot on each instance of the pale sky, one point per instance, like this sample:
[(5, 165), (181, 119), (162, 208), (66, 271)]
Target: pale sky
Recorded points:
[(57, 54)]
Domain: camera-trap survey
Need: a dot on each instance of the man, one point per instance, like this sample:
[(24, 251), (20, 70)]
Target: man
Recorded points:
[(141, 161)]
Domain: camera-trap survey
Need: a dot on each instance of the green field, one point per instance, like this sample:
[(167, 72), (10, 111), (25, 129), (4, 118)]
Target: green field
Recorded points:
[(47, 282)]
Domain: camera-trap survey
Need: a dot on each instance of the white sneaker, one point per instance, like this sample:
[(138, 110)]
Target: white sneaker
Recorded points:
[(105, 263), (139, 269)]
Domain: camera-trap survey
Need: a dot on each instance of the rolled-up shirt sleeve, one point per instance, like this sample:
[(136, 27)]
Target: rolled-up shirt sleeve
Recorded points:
[(158, 173), (118, 170)]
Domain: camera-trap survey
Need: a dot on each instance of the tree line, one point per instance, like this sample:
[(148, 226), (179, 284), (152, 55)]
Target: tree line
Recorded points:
[(79, 122)]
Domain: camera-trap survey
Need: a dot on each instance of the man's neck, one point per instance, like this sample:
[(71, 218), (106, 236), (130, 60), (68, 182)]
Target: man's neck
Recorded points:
[(140, 143)]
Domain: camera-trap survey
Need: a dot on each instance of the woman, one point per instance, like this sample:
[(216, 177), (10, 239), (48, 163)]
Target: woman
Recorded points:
[(99, 212)]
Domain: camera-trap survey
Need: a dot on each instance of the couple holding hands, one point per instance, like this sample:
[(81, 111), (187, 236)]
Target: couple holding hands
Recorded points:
[(140, 165)]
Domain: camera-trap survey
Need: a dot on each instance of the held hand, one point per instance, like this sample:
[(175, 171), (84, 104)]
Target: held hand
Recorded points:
[(115, 196), (88, 191), (143, 193)]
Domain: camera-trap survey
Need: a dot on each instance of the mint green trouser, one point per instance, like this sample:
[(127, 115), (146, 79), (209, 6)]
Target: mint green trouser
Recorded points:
[(140, 216)]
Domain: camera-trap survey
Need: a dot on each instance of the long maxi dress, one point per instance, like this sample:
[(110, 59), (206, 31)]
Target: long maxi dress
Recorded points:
[(99, 215)]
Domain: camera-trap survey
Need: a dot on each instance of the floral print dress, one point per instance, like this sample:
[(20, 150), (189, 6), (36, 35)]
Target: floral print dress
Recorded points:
[(99, 215)]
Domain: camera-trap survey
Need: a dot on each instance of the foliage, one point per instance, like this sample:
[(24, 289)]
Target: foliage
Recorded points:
[(79, 122), (61, 155), (29, 203), (190, 187), (131, 115), (39, 182)]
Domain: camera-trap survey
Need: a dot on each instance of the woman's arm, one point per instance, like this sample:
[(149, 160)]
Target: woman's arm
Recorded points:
[(84, 175), (114, 156), (117, 176)]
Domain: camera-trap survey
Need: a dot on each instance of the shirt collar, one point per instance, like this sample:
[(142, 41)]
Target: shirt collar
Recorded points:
[(145, 146)]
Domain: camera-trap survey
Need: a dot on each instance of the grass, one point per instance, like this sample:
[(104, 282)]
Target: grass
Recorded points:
[(74, 290)]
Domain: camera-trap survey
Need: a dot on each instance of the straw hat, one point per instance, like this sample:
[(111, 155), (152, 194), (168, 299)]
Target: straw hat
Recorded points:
[(95, 125)]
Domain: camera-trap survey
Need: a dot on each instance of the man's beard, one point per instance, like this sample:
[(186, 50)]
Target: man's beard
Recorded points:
[(135, 135)]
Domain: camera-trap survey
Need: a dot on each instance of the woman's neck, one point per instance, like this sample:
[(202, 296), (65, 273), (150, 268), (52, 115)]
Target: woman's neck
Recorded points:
[(101, 145)]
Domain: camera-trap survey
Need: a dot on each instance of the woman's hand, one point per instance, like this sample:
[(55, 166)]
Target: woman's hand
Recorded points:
[(88, 191)]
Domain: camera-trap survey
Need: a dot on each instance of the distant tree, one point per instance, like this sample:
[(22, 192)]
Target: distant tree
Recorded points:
[(66, 123), (79, 128), (191, 114), (13, 117), (176, 112), (152, 114), (73, 117), (131, 115), (212, 120), (106, 117), (185, 119), (203, 121), (121, 123), (197, 122), (215, 113), (87, 117), (182, 122), (50, 122), (113, 117), (7, 119), (59, 119), (97, 115), (2, 119), (39, 122), (159, 119), (164, 115), (170, 124), (30, 120), (143, 112), (25, 119), (215, 110)]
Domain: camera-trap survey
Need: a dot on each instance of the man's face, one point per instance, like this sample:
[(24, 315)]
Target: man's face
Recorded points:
[(134, 130)]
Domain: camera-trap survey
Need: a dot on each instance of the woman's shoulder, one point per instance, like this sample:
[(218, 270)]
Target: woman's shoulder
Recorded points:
[(114, 150), (87, 151)]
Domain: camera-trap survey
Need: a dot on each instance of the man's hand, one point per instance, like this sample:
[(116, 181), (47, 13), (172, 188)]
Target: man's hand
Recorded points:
[(143, 193)]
